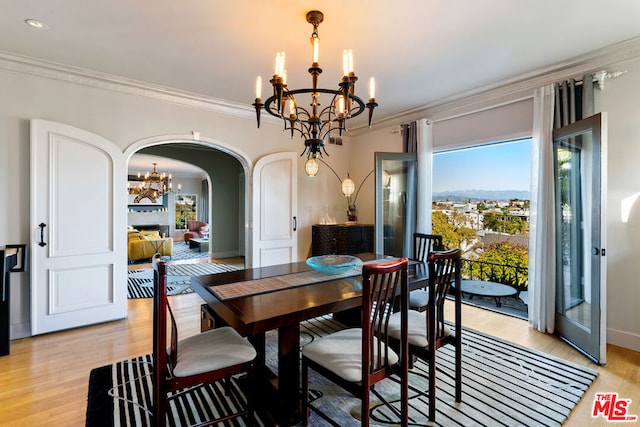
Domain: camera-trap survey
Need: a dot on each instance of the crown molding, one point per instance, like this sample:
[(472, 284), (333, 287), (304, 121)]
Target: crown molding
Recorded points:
[(516, 88), (485, 97), (81, 76)]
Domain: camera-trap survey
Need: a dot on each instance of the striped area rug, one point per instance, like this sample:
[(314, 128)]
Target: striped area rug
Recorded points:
[(140, 282), (503, 385)]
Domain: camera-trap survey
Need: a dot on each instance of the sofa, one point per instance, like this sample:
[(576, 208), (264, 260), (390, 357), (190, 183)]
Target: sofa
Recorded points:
[(144, 244), (195, 230)]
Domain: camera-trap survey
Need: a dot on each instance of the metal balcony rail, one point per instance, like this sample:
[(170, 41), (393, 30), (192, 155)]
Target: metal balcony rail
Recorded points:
[(516, 277)]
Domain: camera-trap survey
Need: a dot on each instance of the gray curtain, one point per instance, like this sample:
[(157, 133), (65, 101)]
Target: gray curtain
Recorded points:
[(203, 209), (574, 101), (410, 137)]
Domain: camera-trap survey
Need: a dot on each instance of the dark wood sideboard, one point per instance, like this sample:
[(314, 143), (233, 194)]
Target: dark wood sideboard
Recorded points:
[(341, 239)]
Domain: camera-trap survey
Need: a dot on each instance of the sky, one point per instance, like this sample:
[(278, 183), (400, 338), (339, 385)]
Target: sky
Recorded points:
[(503, 166)]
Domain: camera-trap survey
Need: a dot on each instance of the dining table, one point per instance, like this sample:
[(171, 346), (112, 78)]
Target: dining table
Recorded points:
[(278, 297)]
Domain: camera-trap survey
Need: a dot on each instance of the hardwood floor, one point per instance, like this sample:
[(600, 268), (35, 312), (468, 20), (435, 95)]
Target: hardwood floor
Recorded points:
[(44, 381)]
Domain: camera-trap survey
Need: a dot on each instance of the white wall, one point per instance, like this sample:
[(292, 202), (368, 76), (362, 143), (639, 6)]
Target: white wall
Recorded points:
[(621, 100), (123, 118)]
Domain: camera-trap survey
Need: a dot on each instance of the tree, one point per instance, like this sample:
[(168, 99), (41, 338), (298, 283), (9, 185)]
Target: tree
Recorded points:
[(511, 263), (454, 232)]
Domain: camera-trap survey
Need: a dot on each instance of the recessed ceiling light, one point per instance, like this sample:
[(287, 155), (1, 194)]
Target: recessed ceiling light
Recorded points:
[(34, 23)]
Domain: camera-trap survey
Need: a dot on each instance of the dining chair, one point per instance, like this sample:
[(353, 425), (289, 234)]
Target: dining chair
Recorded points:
[(423, 245), (428, 330), (200, 359), (358, 358)]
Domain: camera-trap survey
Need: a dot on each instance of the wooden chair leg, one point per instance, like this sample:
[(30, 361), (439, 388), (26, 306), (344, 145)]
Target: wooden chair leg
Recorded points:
[(365, 408), (159, 410), (305, 393), (458, 346), (432, 385), (251, 396)]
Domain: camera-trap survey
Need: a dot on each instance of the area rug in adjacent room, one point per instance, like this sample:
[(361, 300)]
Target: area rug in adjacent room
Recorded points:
[(140, 281), (503, 384)]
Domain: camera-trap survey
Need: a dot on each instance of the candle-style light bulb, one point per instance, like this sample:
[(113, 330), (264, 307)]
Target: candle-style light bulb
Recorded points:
[(315, 42), (345, 62), (292, 108), (259, 87), (372, 88), (280, 58)]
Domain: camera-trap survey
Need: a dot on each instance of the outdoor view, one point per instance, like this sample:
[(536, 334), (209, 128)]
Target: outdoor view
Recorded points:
[(481, 205)]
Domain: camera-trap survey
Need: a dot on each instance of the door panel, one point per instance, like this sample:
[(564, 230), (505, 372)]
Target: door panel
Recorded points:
[(275, 202), (395, 216), (78, 267), (580, 285)]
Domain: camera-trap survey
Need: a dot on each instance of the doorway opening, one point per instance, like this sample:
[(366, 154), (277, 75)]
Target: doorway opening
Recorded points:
[(208, 187), (481, 205)]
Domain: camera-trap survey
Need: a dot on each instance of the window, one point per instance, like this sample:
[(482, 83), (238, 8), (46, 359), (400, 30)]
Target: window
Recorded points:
[(186, 209)]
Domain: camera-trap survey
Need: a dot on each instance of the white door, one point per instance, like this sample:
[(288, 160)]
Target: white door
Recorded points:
[(275, 203), (78, 270)]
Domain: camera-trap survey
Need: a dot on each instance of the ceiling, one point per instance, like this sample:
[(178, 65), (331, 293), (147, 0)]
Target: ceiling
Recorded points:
[(419, 51), (144, 163)]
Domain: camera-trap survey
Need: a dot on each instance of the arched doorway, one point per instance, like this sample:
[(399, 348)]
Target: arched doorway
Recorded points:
[(228, 188)]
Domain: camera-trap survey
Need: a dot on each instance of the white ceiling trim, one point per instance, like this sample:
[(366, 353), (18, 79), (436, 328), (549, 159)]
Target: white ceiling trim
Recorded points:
[(512, 90), (84, 77), (517, 88)]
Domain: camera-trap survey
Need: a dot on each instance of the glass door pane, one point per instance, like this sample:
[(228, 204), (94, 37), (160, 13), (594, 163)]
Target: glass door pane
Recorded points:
[(395, 217), (579, 283)]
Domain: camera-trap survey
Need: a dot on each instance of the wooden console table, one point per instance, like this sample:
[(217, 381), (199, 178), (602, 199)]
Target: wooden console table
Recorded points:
[(341, 239)]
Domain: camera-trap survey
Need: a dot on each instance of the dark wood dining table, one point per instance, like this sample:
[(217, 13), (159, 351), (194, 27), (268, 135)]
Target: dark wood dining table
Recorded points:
[(282, 310)]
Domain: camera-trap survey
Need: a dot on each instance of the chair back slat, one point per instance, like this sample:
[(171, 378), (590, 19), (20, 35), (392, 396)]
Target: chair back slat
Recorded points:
[(444, 268), (424, 244), (382, 284)]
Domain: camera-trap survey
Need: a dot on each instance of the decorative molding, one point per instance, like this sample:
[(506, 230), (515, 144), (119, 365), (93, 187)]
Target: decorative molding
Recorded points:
[(602, 76), (517, 88), (485, 97), (95, 79)]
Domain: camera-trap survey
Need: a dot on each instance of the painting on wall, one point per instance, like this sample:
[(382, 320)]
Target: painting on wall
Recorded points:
[(139, 196)]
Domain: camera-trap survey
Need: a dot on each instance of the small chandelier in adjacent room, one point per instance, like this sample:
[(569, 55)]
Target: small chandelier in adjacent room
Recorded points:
[(152, 186), (316, 122)]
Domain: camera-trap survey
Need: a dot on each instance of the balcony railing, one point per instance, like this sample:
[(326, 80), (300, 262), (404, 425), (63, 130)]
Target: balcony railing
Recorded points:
[(516, 277)]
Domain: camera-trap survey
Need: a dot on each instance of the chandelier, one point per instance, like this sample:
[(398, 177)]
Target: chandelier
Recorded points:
[(315, 122), (152, 186)]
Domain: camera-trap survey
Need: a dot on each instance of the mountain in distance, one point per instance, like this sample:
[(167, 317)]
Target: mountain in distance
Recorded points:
[(481, 195)]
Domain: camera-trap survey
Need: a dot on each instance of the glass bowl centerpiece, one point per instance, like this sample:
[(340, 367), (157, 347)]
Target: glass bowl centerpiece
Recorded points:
[(333, 264)]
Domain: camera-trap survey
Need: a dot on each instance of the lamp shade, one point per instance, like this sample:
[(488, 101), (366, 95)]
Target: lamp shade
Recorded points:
[(311, 167), (348, 187), (386, 178)]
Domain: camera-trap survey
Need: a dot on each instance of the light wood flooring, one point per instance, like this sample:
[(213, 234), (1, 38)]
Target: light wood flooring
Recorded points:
[(45, 379)]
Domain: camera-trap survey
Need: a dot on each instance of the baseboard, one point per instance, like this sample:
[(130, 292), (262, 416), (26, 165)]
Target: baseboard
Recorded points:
[(219, 255), (623, 339), (20, 330)]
